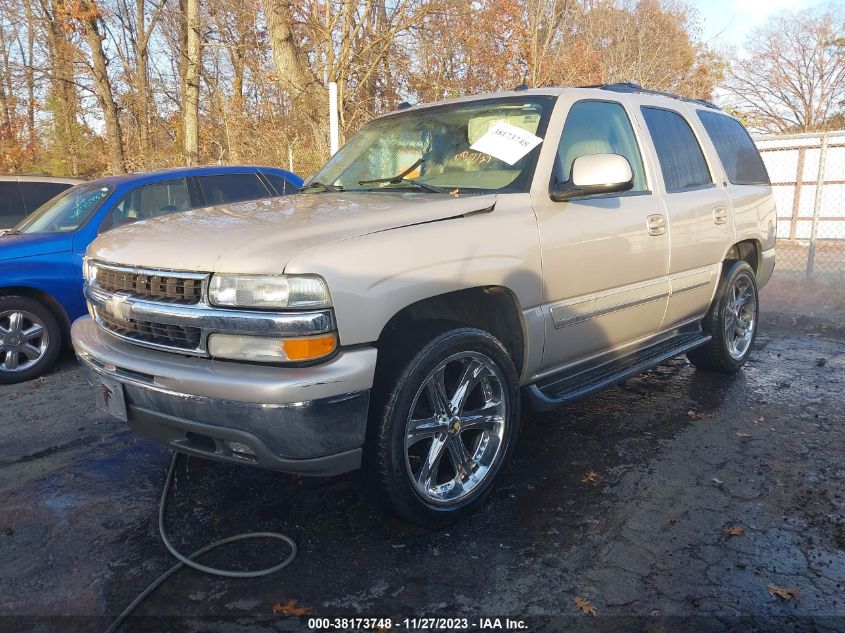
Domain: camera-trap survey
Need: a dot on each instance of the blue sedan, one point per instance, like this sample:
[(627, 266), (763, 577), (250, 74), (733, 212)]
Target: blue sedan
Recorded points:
[(41, 258)]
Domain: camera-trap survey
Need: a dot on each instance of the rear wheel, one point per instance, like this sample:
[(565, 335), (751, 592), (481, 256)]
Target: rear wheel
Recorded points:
[(731, 322), (446, 428), (30, 339)]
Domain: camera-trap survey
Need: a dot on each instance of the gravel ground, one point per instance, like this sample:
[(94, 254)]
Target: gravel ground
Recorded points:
[(679, 500)]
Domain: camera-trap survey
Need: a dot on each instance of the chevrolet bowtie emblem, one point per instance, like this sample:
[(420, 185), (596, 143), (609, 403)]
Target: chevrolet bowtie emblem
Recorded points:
[(119, 307)]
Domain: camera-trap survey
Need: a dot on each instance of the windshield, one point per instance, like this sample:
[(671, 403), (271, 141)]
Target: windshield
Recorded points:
[(66, 212), (473, 147)]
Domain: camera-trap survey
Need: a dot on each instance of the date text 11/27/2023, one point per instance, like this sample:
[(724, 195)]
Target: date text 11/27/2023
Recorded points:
[(418, 624)]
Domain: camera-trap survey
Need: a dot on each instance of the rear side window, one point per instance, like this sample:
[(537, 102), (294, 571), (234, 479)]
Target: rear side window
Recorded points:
[(37, 193), (11, 204), (681, 159), (229, 188), (282, 186), (736, 150)]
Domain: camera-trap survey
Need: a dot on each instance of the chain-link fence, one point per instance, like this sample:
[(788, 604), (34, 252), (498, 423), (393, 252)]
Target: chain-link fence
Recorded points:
[(808, 180)]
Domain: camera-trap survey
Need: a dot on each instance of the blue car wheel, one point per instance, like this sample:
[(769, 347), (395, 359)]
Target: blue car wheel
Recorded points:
[(30, 339)]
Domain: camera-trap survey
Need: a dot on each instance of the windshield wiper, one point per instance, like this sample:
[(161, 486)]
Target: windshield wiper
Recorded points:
[(402, 177), (324, 185)]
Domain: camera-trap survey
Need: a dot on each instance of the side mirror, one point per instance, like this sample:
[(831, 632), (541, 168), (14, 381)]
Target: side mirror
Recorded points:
[(595, 174)]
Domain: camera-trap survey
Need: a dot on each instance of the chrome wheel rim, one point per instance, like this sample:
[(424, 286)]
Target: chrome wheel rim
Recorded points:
[(740, 316), (23, 340), (455, 429)]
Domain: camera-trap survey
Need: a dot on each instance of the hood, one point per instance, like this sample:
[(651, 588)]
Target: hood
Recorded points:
[(15, 245), (262, 236)]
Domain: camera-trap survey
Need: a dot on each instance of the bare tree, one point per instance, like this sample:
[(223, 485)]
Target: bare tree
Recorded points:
[(192, 82), (293, 71), (793, 78), (88, 14)]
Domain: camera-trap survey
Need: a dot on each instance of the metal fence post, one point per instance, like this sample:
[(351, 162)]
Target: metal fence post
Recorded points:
[(817, 205)]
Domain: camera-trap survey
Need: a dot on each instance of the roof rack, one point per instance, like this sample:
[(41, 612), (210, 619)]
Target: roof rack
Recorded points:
[(628, 86)]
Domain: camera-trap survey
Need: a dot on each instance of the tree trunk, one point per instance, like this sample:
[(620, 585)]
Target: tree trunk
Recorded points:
[(63, 99), (141, 77), (102, 85), (30, 74), (6, 94), (305, 92), (192, 82)]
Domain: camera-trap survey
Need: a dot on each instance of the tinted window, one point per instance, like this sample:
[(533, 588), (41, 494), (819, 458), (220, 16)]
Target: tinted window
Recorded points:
[(736, 150), (598, 127), (11, 204), (282, 186), (681, 159), (227, 188), (37, 193), (149, 201)]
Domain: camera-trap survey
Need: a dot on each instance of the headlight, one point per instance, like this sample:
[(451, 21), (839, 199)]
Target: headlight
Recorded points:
[(269, 291), (265, 349), (87, 269)]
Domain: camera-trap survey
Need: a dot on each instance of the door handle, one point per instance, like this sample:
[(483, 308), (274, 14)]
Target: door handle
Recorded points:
[(656, 224), (720, 215)]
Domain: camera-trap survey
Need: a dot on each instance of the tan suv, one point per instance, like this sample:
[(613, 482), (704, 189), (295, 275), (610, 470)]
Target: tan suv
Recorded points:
[(453, 263)]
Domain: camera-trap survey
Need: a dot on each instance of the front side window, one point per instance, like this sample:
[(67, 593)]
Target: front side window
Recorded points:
[(67, 211), (736, 150), (471, 147), (149, 201), (681, 160), (231, 188), (598, 127)]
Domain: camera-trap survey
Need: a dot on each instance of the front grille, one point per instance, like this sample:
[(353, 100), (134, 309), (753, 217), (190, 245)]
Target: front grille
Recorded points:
[(177, 336), (173, 289)]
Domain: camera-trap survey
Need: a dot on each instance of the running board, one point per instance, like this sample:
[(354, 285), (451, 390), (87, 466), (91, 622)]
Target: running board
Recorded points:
[(566, 386)]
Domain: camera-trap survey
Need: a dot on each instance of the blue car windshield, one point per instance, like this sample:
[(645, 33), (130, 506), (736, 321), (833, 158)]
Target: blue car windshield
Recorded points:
[(66, 212)]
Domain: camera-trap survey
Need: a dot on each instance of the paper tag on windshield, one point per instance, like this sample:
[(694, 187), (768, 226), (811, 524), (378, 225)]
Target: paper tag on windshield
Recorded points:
[(506, 142)]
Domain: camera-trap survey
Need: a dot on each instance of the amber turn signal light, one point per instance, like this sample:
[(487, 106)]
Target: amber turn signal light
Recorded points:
[(310, 348)]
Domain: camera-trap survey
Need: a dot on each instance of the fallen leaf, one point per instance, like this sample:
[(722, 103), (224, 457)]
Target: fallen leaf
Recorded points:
[(585, 606), (734, 531), (784, 593), (290, 608), (741, 434), (698, 415), (591, 478)]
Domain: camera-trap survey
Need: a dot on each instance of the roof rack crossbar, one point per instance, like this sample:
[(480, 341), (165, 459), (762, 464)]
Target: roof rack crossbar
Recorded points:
[(629, 86)]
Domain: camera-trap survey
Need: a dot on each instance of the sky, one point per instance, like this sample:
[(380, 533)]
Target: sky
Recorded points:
[(727, 22)]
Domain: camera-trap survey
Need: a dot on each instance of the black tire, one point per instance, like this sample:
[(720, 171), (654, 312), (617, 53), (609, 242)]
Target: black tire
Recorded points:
[(718, 354), (389, 464), (49, 345)]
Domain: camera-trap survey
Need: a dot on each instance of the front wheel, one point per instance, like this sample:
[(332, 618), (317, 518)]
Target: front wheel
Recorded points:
[(731, 322), (446, 429), (30, 339)]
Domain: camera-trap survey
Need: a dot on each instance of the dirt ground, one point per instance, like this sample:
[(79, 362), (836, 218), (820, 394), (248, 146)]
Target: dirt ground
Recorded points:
[(679, 500)]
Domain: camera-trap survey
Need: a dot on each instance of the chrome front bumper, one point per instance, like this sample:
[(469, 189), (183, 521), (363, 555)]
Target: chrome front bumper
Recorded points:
[(309, 420)]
